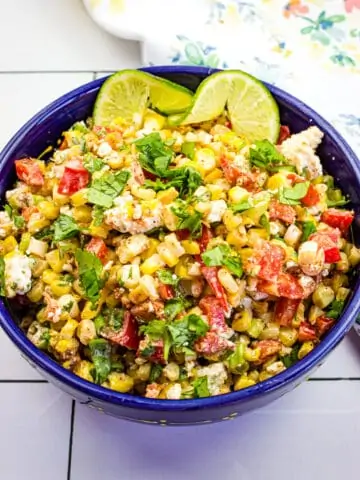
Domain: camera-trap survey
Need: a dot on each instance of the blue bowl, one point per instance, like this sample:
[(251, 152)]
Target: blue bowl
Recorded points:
[(339, 160)]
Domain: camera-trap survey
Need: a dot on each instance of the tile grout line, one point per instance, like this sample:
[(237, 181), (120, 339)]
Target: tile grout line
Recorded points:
[(71, 436), (28, 72), (22, 381), (334, 379), (94, 75)]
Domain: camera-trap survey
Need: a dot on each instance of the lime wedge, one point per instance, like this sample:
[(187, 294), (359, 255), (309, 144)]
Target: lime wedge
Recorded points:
[(128, 93), (252, 110)]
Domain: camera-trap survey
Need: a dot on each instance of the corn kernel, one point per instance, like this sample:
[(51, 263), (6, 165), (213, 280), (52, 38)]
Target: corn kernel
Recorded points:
[(277, 181), (288, 336), (82, 214), (256, 234), (79, 198), (314, 313), (152, 264), (215, 174), (101, 231), (115, 161), (49, 276), (49, 210), (60, 288), (323, 296), (305, 348), (36, 293), (252, 354), (120, 382), (227, 281), (191, 247), (58, 198), (83, 369), (138, 295), (243, 382), (55, 261), (68, 330), (242, 321), (89, 311), (238, 195), (37, 223), (205, 160), (167, 196), (142, 193), (231, 221), (342, 293), (10, 244), (86, 331), (236, 238), (153, 244)]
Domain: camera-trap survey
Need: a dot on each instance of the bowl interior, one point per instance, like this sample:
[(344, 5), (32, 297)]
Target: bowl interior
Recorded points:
[(338, 159)]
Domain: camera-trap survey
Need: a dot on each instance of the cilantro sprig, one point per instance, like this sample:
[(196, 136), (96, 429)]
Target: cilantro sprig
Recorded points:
[(105, 189), (65, 227), (265, 155), (90, 269), (223, 255)]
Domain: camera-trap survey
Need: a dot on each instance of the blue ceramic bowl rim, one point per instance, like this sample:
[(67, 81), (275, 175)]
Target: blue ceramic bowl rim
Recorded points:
[(289, 376)]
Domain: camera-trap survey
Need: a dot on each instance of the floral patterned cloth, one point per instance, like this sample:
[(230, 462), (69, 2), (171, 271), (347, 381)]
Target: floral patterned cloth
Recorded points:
[(310, 48)]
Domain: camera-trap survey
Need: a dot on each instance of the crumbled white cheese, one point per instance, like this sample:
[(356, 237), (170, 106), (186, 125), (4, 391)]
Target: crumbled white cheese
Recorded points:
[(217, 210), (300, 148), (17, 275), (104, 149), (6, 225), (216, 375), (174, 392)]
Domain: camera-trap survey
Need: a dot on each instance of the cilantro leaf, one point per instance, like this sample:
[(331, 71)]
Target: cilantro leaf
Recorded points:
[(155, 156), (90, 268), (98, 215), (155, 373), (186, 331), (289, 360), (240, 207), (335, 309), (8, 210), (65, 227), (45, 234), (265, 155), (292, 195), (188, 149), (201, 388), (173, 307), (190, 220), (100, 351), (308, 229), (167, 277), (185, 179), (264, 222), (2, 277), (19, 221), (92, 164), (155, 329), (103, 190), (222, 255)]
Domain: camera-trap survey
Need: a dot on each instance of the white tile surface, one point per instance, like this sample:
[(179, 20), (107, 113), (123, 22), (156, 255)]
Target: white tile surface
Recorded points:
[(312, 433), (35, 428), (309, 433), (59, 35), (23, 95), (14, 366)]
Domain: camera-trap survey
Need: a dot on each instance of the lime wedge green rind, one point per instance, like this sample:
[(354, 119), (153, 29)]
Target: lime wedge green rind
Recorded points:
[(128, 93), (252, 110)]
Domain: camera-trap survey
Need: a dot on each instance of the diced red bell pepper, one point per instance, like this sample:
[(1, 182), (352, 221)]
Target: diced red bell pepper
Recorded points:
[(210, 275), (213, 344), (268, 348), (75, 178), (311, 198), (98, 247), (323, 324), (166, 292), (289, 287), (283, 134), (183, 234), (231, 171), (306, 332), (213, 309), (285, 285), (206, 236), (127, 336), (338, 218), (279, 211), (155, 347), (285, 310), (266, 261), (328, 241), (28, 171), (28, 211)]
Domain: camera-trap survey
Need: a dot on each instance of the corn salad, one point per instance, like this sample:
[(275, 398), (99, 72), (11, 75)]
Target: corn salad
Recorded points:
[(176, 263)]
